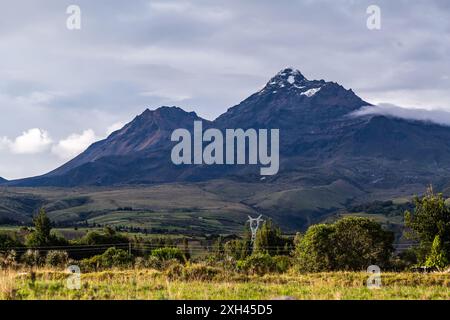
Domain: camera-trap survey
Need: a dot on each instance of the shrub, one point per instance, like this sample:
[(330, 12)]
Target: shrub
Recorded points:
[(32, 258), (154, 263), (314, 249), (437, 257), (165, 253), (360, 242), (56, 258), (7, 242), (351, 243), (111, 258), (174, 271), (270, 240), (8, 260), (237, 249), (430, 218), (108, 236), (140, 263), (282, 263), (199, 272), (191, 272), (258, 263)]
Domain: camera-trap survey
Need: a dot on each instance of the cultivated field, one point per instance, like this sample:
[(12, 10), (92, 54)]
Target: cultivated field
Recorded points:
[(152, 284)]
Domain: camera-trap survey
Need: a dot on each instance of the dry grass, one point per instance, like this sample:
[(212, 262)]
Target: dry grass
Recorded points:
[(8, 289), (151, 284)]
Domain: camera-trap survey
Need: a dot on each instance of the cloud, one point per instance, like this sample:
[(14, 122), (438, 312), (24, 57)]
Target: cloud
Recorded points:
[(29, 142), (4, 143), (74, 144), (441, 117), (114, 127)]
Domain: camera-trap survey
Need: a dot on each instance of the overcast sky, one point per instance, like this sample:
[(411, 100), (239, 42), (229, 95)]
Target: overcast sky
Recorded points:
[(62, 89)]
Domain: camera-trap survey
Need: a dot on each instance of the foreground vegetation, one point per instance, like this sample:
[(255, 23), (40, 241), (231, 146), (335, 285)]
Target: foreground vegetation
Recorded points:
[(328, 261), (153, 284)]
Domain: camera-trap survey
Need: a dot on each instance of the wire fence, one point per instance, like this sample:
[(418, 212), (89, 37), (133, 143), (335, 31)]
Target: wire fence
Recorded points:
[(136, 247)]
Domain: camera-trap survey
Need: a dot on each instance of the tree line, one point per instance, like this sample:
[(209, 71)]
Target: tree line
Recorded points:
[(350, 244)]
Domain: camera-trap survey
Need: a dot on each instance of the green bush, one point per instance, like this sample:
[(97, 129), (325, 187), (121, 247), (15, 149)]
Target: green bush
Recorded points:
[(107, 236), (164, 254), (430, 219), (7, 242), (351, 244), (282, 263), (258, 263), (111, 258), (437, 257), (314, 249), (55, 258)]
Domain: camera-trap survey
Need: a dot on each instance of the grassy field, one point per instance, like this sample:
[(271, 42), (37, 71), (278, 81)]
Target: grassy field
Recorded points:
[(152, 284)]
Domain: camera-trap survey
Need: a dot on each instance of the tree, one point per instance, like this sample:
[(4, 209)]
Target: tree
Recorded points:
[(108, 236), (238, 248), (431, 218), (42, 225), (41, 235), (437, 257), (314, 249), (352, 243), (7, 242), (270, 240), (360, 242)]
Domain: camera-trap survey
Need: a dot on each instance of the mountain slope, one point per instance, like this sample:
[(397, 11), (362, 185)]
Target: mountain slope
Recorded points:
[(137, 153), (147, 132)]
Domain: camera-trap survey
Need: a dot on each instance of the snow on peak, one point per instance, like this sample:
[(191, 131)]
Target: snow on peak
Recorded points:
[(287, 77), (291, 79), (311, 92), (289, 72)]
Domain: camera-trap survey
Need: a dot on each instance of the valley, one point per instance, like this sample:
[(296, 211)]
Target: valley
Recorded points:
[(197, 209)]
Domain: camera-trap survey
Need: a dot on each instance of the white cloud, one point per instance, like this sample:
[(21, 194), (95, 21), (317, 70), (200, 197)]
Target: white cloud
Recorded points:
[(114, 127), (74, 144), (438, 116), (32, 141)]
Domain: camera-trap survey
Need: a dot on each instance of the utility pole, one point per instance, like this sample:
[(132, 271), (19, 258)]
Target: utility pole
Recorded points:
[(254, 225)]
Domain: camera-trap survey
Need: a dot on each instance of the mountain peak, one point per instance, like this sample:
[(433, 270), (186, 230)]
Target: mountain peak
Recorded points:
[(290, 75), (164, 110), (290, 72), (288, 78)]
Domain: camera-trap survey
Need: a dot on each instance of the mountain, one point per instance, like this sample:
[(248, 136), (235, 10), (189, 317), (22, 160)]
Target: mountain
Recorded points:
[(330, 161), (137, 153), (2, 180), (321, 143)]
